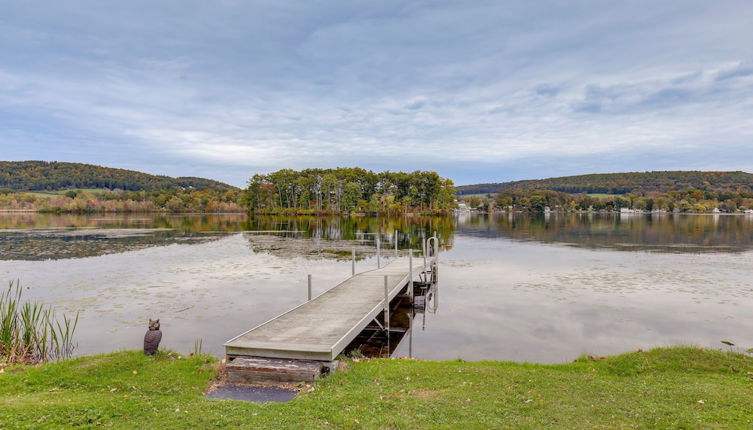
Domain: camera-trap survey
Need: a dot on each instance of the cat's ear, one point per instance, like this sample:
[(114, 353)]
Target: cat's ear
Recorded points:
[(150, 321), (157, 320)]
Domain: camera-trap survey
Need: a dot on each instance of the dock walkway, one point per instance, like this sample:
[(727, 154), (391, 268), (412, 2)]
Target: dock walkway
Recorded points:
[(322, 327)]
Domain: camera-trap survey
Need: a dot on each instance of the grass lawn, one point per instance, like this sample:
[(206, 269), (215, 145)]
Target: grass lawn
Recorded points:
[(664, 388), (602, 196), (62, 192), (466, 197)]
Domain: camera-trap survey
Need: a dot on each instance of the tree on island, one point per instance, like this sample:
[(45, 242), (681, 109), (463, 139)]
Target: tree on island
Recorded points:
[(345, 190)]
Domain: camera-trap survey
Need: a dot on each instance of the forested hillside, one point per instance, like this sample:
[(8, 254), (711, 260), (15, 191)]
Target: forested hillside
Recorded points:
[(52, 176), (84, 188), (622, 183)]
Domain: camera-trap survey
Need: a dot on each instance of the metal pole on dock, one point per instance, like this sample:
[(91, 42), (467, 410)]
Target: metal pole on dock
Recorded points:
[(309, 287), (387, 312), (423, 251), (353, 264), (395, 243), (410, 271), (386, 307), (410, 332), (379, 263)]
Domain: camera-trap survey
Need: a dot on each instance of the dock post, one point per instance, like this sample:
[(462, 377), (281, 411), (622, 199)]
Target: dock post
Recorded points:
[(379, 263), (423, 251), (395, 243), (386, 303), (353, 263), (410, 334), (309, 287), (410, 275)]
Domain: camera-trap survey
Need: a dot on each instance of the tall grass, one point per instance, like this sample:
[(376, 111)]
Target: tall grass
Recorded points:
[(30, 332)]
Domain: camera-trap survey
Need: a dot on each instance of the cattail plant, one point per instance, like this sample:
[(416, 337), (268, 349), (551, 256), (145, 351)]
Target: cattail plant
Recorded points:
[(30, 332)]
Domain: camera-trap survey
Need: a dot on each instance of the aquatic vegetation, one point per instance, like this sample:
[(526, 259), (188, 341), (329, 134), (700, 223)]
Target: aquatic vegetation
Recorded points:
[(30, 332)]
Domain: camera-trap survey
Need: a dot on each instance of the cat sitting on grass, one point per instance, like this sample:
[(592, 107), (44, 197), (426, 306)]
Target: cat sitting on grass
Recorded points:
[(152, 337)]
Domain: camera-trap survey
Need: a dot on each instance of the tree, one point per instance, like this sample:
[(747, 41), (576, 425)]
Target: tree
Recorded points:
[(538, 203), (351, 195)]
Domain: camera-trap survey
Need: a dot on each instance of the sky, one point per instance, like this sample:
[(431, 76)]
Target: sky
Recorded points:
[(479, 91)]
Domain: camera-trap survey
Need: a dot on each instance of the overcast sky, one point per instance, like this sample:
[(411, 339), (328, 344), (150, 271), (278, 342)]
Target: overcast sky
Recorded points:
[(478, 91)]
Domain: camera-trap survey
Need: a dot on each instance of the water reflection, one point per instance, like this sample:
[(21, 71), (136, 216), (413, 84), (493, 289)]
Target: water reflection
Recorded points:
[(52, 237), (45, 236), (513, 287), (675, 233)]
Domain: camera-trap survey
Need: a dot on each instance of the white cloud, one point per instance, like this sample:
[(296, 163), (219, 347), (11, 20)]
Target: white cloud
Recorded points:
[(431, 86)]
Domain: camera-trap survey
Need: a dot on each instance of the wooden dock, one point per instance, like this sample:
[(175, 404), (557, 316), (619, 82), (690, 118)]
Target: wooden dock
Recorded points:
[(321, 328)]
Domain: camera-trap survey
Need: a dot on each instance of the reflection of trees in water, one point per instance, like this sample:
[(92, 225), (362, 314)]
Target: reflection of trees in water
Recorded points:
[(663, 232), (179, 223), (409, 230), (37, 236), (57, 245), (46, 236)]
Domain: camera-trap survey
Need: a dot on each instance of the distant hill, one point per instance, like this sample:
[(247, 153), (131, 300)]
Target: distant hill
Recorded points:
[(622, 183), (52, 176)]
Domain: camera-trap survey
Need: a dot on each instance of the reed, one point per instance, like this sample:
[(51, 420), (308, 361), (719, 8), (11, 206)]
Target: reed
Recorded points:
[(197, 347), (30, 332)]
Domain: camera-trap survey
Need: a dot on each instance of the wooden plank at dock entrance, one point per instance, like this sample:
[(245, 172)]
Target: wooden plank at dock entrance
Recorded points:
[(257, 370), (321, 328)]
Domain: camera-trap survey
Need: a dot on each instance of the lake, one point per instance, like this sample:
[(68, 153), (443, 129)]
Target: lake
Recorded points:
[(512, 287)]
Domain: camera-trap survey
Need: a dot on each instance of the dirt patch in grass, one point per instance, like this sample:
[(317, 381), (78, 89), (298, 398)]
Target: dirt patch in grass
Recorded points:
[(94, 361), (426, 394)]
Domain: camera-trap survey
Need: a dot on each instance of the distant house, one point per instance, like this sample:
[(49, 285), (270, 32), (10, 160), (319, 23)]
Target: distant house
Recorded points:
[(749, 211), (715, 210)]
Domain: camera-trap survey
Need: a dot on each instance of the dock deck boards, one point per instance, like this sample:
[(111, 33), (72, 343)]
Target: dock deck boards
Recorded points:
[(321, 328)]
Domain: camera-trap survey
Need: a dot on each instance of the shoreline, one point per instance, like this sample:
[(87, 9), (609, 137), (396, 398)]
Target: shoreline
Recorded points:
[(34, 211), (500, 212)]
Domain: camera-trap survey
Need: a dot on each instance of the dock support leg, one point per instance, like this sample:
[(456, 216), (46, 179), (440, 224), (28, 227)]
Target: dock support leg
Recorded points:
[(410, 333), (379, 263), (423, 251), (386, 304), (353, 263), (410, 271), (309, 287), (395, 243)]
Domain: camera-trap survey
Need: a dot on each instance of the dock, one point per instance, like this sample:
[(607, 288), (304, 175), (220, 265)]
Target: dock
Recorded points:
[(318, 330)]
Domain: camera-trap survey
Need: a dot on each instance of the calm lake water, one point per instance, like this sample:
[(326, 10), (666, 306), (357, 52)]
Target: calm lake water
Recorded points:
[(543, 289)]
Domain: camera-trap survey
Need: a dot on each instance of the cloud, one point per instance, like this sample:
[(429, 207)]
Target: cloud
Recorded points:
[(480, 91), (739, 71)]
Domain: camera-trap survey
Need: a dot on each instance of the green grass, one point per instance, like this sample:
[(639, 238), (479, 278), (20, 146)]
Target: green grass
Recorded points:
[(62, 192), (466, 197), (602, 196), (661, 388)]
